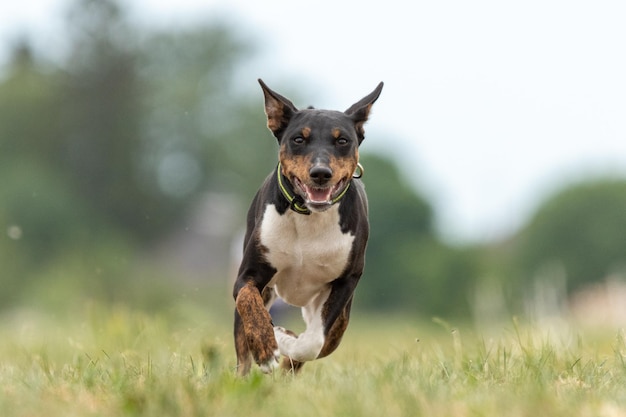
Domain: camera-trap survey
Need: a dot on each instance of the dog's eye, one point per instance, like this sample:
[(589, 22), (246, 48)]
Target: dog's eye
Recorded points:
[(342, 141), (298, 140)]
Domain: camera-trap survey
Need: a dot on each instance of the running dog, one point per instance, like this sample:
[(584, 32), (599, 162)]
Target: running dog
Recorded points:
[(307, 230)]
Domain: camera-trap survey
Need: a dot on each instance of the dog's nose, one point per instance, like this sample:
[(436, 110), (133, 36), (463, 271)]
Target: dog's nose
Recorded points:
[(320, 173)]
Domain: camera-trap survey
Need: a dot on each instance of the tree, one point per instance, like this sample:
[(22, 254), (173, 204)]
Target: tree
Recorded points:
[(407, 268), (193, 116), (581, 231), (103, 118), (96, 151), (108, 151), (150, 118)]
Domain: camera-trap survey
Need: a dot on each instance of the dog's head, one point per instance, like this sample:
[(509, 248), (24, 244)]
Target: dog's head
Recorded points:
[(319, 149)]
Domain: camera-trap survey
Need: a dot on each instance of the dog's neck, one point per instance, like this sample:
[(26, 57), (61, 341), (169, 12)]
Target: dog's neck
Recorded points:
[(296, 202)]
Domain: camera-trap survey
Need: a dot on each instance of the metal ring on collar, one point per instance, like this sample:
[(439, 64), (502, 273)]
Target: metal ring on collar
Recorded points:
[(359, 169)]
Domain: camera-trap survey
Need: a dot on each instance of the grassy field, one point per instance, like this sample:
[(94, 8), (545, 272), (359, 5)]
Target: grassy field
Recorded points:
[(107, 361)]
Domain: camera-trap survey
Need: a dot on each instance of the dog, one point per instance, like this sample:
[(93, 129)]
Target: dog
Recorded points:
[(307, 230)]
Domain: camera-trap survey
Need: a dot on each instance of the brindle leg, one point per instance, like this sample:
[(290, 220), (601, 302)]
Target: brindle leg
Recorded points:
[(244, 357), (333, 338), (257, 330)]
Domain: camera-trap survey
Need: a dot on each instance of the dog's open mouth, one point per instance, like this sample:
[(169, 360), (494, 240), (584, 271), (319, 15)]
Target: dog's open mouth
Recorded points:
[(319, 196)]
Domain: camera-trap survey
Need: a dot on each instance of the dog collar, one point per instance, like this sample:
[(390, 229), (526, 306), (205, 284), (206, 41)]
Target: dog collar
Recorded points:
[(296, 202)]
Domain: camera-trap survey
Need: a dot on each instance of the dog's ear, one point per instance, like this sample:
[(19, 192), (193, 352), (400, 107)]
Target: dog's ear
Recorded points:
[(278, 109), (359, 111)]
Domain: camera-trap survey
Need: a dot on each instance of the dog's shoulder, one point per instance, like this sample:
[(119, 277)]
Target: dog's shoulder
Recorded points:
[(267, 194), (353, 210)]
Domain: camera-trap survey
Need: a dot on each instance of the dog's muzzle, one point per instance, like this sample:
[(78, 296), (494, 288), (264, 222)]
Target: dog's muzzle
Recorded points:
[(306, 198), (320, 198)]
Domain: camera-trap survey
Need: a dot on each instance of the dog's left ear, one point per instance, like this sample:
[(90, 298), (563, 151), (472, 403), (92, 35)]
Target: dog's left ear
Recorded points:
[(278, 109), (359, 111)]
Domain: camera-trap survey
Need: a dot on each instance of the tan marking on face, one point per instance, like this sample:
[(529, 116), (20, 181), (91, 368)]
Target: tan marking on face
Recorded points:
[(295, 165), (298, 166), (336, 133), (343, 168), (306, 132)]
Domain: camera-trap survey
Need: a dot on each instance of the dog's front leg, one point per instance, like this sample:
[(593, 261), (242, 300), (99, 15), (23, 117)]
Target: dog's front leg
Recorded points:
[(253, 324)]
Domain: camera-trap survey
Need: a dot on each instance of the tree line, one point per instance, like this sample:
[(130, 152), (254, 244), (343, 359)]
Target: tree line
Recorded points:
[(104, 154)]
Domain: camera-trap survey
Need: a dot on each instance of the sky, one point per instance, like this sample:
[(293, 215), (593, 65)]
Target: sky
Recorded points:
[(489, 106)]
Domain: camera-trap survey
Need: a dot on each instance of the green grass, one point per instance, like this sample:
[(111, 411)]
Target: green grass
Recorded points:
[(119, 362)]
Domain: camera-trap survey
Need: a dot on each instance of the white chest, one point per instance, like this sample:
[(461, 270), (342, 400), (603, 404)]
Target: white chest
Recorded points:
[(308, 252)]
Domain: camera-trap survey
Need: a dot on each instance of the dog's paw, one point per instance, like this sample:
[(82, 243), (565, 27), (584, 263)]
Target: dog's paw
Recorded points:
[(284, 338), (281, 332), (268, 367)]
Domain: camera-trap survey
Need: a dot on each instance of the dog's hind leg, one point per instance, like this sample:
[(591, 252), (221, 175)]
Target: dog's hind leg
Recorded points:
[(326, 318), (290, 365), (307, 345), (336, 331), (269, 296)]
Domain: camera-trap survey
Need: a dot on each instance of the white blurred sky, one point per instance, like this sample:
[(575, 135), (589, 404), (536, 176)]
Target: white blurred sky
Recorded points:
[(489, 105)]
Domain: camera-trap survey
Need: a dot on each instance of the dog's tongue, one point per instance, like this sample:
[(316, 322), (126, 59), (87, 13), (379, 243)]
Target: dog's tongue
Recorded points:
[(318, 195)]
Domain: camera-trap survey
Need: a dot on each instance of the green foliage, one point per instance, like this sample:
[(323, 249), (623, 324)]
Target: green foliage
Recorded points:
[(105, 153), (108, 152), (198, 133), (407, 267), (395, 207), (134, 129), (580, 231), (102, 117)]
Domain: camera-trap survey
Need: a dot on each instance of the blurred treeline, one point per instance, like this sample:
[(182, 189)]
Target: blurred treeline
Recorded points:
[(126, 169)]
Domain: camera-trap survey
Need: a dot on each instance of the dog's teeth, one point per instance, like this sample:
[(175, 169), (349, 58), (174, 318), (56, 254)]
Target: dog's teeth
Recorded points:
[(318, 194)]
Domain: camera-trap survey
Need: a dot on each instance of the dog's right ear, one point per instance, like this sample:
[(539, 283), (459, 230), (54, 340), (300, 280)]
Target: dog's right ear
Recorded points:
[(278, 109)]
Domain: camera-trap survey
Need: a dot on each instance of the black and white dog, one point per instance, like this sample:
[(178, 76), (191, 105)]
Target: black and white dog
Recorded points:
[(307, 230)]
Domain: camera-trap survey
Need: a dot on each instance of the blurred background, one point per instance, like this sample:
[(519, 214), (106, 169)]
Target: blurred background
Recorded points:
[(132, 139)]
